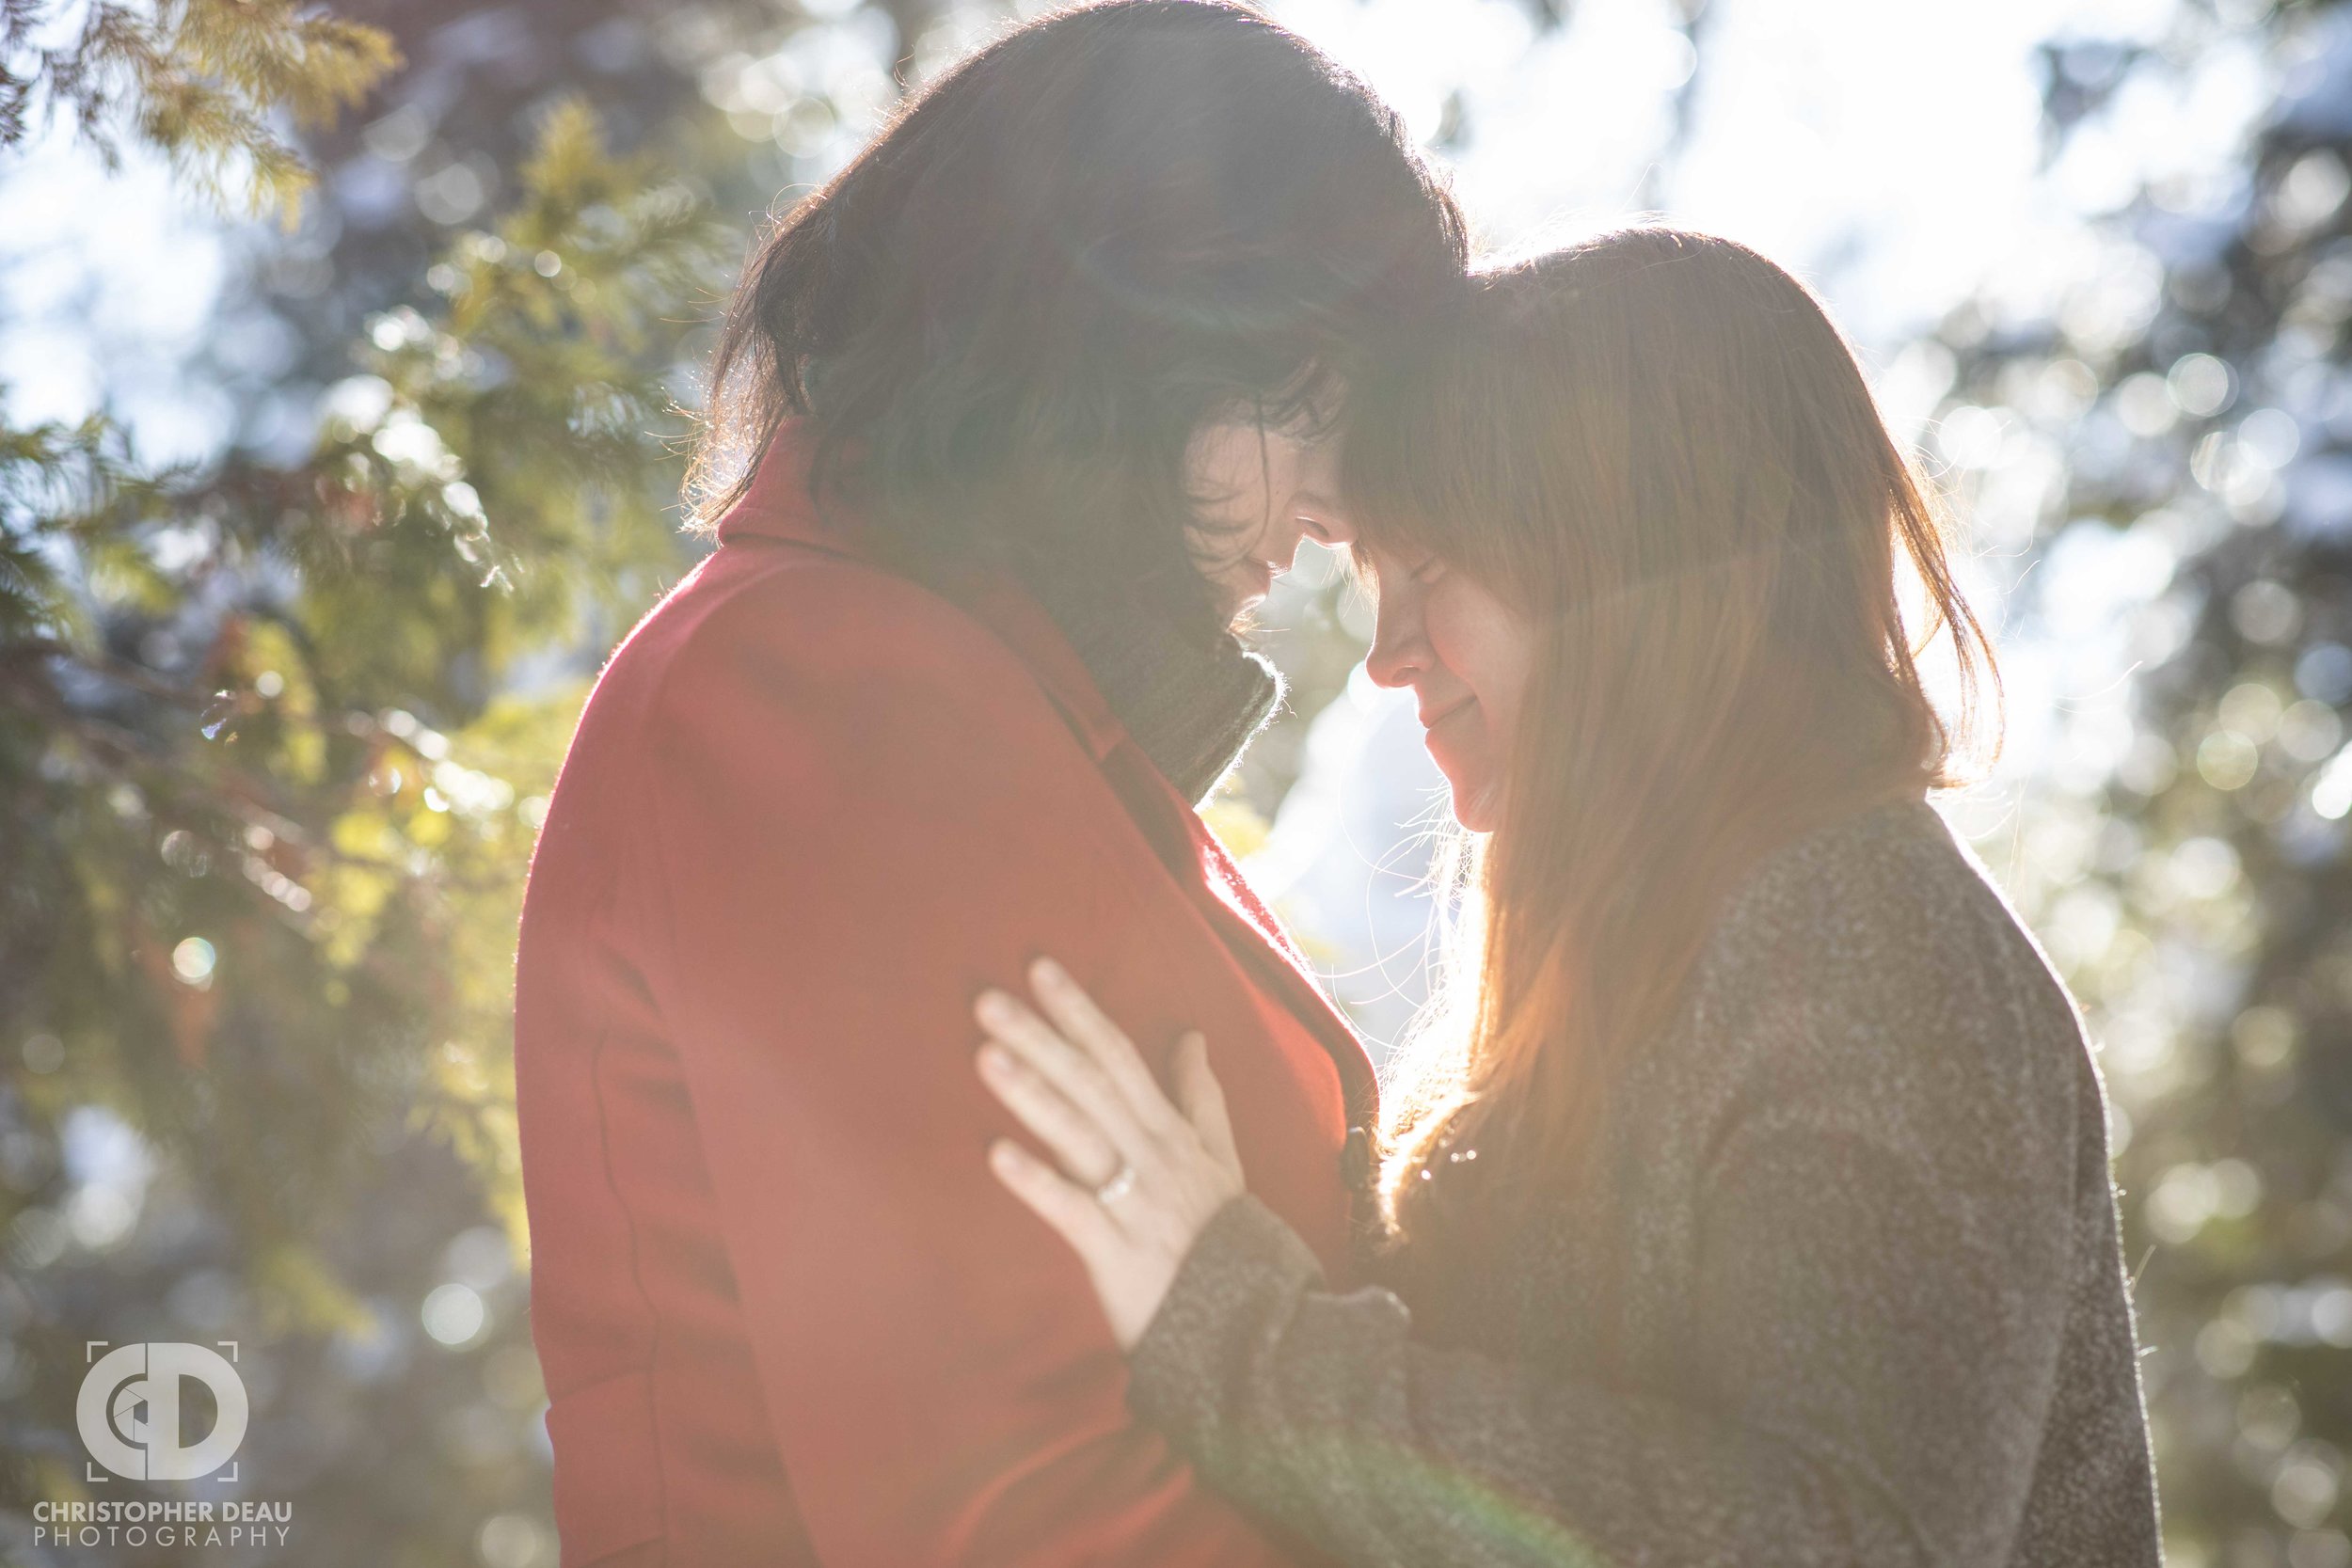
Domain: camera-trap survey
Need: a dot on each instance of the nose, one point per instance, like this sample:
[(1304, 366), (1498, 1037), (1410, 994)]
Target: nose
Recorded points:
[(1399, 650), (1337, 524), (1322, 520)]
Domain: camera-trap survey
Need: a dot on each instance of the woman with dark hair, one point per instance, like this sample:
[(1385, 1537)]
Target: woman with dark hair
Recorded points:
[(1749, 1203), (1011, 420), (1057, 315)]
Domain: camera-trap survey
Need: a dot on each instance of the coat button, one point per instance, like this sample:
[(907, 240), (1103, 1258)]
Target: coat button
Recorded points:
[(1355, 1158)]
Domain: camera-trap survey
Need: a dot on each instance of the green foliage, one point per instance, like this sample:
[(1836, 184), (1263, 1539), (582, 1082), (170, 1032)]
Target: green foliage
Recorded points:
[(198, 80), (276, 733), (286, 793)]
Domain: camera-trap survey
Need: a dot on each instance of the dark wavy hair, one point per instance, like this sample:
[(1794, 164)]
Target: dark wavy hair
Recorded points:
[(1005, 319)]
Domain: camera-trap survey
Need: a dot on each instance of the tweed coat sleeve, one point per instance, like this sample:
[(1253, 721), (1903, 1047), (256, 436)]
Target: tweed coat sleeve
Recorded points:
[(1883, 1086)]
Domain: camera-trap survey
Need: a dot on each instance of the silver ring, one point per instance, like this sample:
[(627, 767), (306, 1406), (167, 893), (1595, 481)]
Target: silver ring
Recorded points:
[(1122, 1182)]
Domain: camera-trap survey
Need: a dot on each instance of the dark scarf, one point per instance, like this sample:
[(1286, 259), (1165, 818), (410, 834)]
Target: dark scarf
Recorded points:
[(1192, 706)]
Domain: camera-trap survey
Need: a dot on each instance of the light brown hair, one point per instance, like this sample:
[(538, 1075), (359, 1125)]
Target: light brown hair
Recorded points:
[(1656, 447)]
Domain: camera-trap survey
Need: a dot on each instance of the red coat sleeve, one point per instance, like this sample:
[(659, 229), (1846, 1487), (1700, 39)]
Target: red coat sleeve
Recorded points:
[(858, 810)]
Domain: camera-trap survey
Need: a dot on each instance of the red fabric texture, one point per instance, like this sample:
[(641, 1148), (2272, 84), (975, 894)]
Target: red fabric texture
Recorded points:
[(785, 1313)]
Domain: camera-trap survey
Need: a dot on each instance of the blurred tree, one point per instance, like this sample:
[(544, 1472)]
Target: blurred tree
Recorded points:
[(195, 80), (2178, 428), (272, 748)]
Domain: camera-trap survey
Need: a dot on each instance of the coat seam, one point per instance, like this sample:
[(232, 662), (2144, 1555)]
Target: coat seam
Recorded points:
[(637, 1282)]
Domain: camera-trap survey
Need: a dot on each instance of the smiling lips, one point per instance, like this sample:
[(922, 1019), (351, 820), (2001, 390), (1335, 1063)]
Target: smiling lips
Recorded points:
[(1429, 721)]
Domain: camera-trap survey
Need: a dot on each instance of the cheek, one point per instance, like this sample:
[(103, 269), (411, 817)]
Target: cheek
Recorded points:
[(1236, 472), (1225, 470), (1487, 645), (1510, 664)]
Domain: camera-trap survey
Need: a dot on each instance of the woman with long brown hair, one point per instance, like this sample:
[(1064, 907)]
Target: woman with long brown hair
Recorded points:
[(1747, 1200)]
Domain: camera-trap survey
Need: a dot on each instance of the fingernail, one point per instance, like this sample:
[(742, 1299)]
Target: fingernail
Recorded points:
[(1045, 972), (992, 1007)]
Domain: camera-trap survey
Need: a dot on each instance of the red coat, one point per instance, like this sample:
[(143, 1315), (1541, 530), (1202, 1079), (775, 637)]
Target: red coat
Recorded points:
[(785, 1313)]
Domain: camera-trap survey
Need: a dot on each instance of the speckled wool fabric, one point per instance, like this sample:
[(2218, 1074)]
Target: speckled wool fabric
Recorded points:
[(1848, 1292)]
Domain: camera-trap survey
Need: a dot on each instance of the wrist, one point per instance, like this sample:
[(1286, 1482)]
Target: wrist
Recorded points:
[(1234, 1291)]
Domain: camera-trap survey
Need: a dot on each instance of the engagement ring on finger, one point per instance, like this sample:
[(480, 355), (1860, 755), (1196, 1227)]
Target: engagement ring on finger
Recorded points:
[(1119, 1186)]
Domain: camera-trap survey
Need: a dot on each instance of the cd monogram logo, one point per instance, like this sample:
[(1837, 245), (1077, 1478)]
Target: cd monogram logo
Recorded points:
[(130, 1406)]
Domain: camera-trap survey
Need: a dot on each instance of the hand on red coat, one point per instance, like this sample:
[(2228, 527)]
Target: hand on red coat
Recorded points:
[(1140, 1176)]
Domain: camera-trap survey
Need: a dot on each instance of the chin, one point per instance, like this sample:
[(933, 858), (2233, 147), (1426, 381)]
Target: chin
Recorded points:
[(1473, 806), (1475, 817)]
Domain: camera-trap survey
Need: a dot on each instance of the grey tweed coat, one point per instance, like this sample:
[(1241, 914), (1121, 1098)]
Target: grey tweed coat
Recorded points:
[(1848, 1292)]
